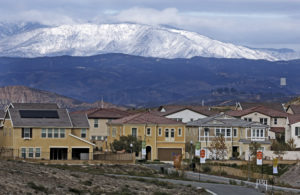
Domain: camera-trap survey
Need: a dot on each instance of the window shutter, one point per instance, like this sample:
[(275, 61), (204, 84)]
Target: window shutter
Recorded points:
[(30, 132), (22, 132)]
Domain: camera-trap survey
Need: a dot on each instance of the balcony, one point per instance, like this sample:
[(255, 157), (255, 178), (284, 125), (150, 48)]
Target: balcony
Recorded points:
[(211, 138)]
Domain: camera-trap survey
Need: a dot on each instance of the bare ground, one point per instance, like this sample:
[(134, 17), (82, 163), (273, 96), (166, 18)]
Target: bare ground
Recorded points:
[(18, 177), (292, 176)]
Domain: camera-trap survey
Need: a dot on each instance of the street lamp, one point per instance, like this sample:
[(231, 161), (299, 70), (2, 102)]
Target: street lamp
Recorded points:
[(131, 145), (191, 150)]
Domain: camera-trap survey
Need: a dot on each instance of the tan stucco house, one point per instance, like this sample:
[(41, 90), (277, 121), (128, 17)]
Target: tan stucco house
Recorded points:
[(45, 131)]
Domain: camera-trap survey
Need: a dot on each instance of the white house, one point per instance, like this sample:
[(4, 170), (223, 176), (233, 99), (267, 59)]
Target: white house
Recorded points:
[(293, 129)]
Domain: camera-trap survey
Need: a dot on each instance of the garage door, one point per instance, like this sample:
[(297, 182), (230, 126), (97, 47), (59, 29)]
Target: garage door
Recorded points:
[(167, 154)]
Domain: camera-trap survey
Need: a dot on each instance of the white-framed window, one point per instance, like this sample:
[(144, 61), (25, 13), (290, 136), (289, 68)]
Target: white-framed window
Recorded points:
[(206, 132), (263, 121), (93, 137), (166, 132), (275, 121), (172, 133), (234, 132), (100, 138), (62, 133), (114, 132), (220, 132), (55, 133), (83, 133), (159, 132), (26, 133), (297, 131), (148, 131), (30, 152), (37, 152), (228, 132), (96, 125), (44, 133), (179, 132), (23, 152), (50, 133), (248, 119)]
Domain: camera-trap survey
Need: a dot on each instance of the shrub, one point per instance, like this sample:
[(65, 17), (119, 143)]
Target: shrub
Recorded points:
[(232, 182), (206, 169), (40, 188)]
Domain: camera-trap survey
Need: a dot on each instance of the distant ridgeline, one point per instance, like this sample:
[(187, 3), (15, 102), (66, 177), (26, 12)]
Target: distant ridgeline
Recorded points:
[(131, 80)]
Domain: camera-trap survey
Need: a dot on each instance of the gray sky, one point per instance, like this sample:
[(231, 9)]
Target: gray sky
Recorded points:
[(256, 23)]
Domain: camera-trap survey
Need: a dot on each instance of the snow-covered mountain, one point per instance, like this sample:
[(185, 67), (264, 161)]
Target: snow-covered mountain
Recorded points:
[(134, 39)]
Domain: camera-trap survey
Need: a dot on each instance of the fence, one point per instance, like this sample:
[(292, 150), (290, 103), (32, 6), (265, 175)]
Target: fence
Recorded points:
[(115, 157), (6, 153)]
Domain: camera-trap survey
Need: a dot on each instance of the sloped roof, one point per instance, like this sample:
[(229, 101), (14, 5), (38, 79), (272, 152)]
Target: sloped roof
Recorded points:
[(33, 106), (170, 109), (79, 120), (260, 109), (294, 118), (272, 105), (222, 120), (144, 118), (278, 129), (2, 114), (63, 120), (108, 113), (295, 109)]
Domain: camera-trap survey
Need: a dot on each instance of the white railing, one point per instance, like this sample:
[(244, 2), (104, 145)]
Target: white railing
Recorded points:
[(211, 138), (258, 138)]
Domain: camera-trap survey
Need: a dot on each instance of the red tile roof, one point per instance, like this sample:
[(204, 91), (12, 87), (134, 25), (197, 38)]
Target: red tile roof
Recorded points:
[(260, 109), (278, 129), (294, 118), (272, 105), (104, 113), (144, 118)]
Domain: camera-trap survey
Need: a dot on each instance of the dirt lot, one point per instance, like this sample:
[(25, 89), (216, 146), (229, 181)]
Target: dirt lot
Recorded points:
[(17, 177)]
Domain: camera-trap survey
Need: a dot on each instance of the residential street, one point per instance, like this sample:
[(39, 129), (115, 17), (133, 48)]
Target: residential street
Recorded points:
[(221, 188)]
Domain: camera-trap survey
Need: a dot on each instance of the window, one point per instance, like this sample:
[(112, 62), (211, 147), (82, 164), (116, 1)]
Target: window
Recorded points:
[(159, 132), (26, 133), (261, 133), (220, 132), (235, 132), (38, 152), (172, 133), (263, 121), (49, 133), (228, 132), (206, 132), (83, 133), (148, 131), (113, 133), (134, 132), (248, 119), (275, 121), (179, 132), (297, 131), (44, 133), (96, 123), (23, 152), (30, 152), (62, 133), (55, 133), (100, 138), (166, 132), (93, 137)]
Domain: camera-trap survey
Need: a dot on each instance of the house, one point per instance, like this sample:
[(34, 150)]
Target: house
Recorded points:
[(275, 119), (293, 109), (98, 124), (293, 129), (238, 134), (272, 105), (45, 131), (164, 137), (184, 113)]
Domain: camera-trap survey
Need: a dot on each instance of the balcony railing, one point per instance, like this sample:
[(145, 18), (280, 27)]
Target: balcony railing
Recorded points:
[(211, 138)]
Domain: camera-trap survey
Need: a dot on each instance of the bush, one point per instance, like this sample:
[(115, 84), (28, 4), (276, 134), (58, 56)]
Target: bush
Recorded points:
[(37, 187), (232, 182), (206, 169)]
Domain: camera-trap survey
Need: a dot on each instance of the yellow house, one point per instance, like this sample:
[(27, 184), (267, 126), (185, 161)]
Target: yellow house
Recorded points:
[(44, 131), (164, 137)]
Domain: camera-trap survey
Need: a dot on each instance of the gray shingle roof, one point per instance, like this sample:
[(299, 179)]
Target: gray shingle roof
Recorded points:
[(222, 120), (64, 120)]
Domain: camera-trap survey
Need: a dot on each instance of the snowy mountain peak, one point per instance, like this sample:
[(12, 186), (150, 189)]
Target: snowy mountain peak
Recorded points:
[(133, 39)]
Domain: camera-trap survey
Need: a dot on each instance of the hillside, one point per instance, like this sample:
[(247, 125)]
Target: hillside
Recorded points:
[(140, 81), (18, 94)]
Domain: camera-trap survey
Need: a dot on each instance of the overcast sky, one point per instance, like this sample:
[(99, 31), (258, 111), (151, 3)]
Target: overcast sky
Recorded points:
[(255, 23)]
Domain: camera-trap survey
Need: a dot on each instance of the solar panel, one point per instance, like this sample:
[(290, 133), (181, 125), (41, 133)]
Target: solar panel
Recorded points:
[(38, 114)]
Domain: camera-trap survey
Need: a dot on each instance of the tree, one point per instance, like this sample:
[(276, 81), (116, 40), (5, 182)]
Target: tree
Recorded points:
[(253, 147), (278, 148), (124, 144), (218, 148), (291, 146)]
